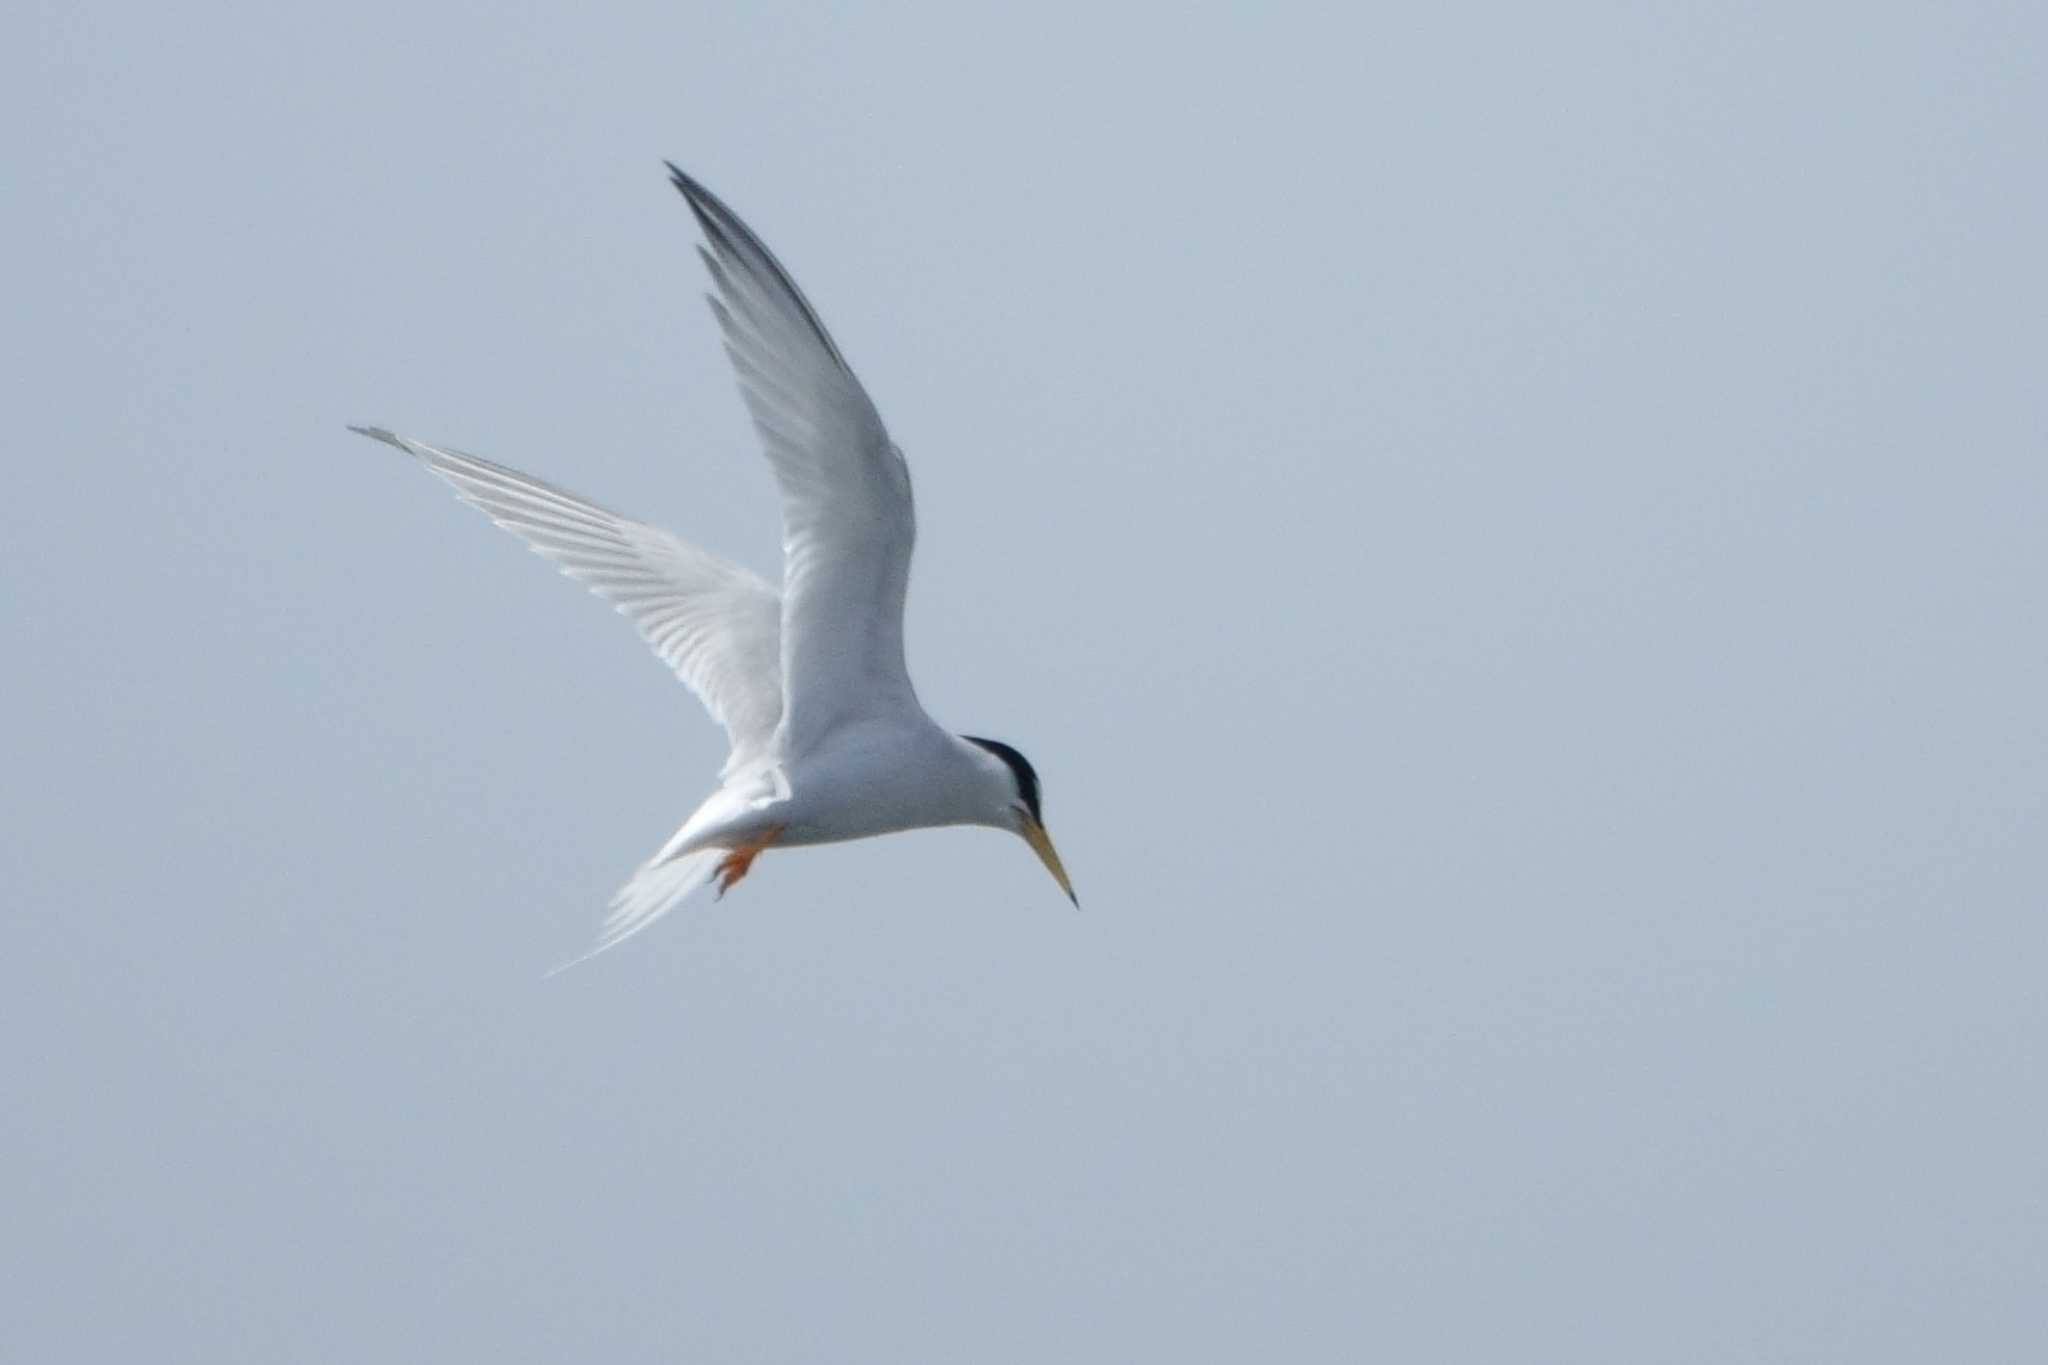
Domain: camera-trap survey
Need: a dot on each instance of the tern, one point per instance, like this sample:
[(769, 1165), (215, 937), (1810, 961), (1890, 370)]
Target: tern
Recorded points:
[(828, 740)]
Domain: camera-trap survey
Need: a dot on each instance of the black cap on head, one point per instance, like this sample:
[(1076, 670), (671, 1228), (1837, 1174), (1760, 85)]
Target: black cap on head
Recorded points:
[(1020, 768)]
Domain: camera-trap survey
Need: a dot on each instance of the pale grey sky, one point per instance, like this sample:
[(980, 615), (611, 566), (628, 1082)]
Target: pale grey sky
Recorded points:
[(1516, 537)]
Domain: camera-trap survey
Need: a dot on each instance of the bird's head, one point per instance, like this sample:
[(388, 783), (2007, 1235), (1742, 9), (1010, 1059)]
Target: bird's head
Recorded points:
[(1019, 810)]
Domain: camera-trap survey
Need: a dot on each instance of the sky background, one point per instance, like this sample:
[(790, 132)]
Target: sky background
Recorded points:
[(1516, 537)]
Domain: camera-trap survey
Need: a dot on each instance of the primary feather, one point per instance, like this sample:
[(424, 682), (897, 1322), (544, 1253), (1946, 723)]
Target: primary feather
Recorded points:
[(848, 525), (716, 624)]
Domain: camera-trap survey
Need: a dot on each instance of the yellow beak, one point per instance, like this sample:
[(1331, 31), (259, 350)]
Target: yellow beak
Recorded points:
[(1041, 844)]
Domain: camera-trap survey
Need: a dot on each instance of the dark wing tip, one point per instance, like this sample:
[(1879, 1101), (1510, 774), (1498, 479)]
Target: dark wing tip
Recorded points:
[(380, 434), (734, 240), (710, 212), (702, 202)]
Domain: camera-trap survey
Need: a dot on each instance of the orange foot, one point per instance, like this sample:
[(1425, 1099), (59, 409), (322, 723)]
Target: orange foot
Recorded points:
[(739, 861)]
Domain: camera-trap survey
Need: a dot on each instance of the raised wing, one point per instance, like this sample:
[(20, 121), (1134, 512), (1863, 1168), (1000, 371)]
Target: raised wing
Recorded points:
[(717, 625), (847, 522)]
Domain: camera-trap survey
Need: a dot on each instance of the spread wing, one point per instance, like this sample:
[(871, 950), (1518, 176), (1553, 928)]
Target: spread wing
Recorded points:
[(717, 625), (847, 521)]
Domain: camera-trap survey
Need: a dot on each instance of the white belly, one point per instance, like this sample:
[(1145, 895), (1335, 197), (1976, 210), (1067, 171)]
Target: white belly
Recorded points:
[(865, 781)]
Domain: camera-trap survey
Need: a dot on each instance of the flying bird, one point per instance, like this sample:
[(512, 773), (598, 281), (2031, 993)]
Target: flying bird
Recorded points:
[(828, 740)]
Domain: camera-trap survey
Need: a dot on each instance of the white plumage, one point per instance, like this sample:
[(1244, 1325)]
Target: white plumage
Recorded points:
[(828, 739)]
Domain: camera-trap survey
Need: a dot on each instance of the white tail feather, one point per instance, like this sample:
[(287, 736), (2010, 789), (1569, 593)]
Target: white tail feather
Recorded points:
[(656, 888)]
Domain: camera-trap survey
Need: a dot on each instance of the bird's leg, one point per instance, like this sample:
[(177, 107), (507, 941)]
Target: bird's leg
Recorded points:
[(735, 864)]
